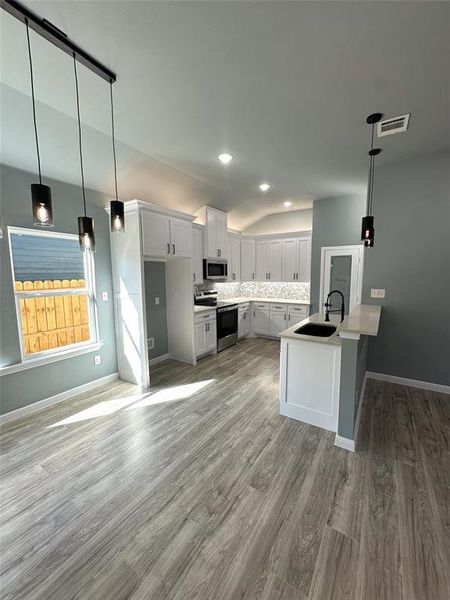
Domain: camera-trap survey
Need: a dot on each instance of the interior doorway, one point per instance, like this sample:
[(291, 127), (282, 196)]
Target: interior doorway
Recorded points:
[(341, 268)]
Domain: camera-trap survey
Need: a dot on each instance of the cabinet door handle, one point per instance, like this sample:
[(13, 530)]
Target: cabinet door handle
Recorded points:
[(168, 248), (253, 276), (253, 314), (173, 248), (194, 277)]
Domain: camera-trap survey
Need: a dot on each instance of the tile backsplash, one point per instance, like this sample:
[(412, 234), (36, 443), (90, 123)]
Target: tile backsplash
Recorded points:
[(258, 289)]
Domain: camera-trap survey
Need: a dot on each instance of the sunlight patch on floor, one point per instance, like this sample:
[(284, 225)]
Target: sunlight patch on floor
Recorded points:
[(109, 407)]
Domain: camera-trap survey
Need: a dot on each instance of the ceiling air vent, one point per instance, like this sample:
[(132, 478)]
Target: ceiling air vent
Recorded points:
[(394, 125)]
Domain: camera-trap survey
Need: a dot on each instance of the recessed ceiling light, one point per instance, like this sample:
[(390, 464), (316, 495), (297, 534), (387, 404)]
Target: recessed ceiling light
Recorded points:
[(264, 187), (225, 158), (287, 204)]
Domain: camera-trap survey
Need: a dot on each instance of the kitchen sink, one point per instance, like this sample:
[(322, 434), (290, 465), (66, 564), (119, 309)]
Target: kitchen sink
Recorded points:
[(316, 330)]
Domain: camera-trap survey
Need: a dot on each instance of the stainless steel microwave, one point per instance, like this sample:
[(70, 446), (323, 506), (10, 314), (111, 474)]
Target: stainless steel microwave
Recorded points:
[(215, 269)]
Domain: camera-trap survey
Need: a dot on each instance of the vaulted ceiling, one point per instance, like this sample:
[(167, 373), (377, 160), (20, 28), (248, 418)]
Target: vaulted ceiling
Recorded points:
[(284, 86)]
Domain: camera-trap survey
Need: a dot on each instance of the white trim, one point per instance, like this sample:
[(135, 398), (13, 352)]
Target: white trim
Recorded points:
[(51, 358), (423, 385), (158, 359), (345, 443), (36, 406)]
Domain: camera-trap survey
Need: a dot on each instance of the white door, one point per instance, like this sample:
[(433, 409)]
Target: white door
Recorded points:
[(275, 260), (290, 259), (260, 321), (197, 255), (200, 339), (211, 234), (261, 252), (235, 259), (211, 335), (155, 234), (248, 260), (304, 260), (247, 317), (278, 322), (221, 234), (181, 238), (341, 269)]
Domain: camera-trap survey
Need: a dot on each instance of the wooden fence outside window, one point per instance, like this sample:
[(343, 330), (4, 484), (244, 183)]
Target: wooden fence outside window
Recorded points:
[(53, 321)]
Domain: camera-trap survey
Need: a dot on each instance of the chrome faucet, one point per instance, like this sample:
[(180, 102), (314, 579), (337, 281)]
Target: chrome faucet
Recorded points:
[(328, 304)]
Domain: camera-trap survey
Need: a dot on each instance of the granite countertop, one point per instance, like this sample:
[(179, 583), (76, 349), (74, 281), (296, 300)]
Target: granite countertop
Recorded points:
[(243, 300), (363, 320)]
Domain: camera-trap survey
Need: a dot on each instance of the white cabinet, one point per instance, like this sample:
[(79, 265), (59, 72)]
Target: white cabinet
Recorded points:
[(181, 238), (244, 319), (269, 260), (234, 258), (205, 333), (165, 236), (197, 254), (260, 318), (297, 313), (248, 267), (296, 259), (275, 261), (215, 234), (304, 267), (277, 319)]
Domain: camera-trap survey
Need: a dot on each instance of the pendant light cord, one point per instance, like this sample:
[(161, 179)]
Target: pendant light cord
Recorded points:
[(113, 137), (79, 132), (370, 182), (33, 102)]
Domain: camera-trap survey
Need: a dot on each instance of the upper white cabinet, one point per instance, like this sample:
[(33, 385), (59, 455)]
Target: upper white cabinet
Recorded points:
[(269, 260), (197, 254), (234, 258), (165, 236), (304, 261), (296, 259), (248, 267), (215, 233)]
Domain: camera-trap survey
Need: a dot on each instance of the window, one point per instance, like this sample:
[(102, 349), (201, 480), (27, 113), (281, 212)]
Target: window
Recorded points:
[(53, 286)]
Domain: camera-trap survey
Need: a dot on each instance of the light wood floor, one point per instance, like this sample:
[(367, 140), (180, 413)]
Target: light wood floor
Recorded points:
[(215, 496)]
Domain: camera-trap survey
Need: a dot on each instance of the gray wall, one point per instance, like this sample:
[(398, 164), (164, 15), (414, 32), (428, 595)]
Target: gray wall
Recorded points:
[(156, 315), (29, 386), (411, 260), (353, 369), (336, 222)]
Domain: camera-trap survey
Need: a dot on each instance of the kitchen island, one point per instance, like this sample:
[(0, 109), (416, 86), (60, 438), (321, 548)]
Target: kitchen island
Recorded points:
[(322, 378)]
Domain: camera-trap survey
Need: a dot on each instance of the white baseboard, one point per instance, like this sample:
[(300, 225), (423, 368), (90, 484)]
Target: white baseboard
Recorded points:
[(36, 406), (158, 359), (345, 443), (423, 385)]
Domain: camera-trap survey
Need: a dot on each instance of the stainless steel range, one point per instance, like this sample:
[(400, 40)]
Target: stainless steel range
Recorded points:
[(227, 325)]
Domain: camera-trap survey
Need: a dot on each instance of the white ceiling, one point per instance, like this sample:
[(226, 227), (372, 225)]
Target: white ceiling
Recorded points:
[(284, 86)]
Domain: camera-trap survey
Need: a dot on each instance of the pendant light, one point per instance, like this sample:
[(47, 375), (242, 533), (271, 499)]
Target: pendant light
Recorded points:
[(41, 195), (367, 226), (117, 209), (85, 224)]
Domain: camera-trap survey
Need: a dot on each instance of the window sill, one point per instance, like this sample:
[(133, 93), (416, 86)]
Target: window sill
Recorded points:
[(46, 360)]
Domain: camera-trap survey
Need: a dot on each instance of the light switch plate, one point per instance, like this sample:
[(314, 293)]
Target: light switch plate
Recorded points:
[(105, 296), (97, 359), (151, 343), (156, 300), (377, 293)]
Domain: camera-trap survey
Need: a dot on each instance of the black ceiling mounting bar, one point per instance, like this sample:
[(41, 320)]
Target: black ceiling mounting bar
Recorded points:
[(57, 37)]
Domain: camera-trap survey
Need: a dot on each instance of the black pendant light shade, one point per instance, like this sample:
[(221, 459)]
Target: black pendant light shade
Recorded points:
[(117, 216), (117, 208), (41, 196), (86, 233), (367, 226)]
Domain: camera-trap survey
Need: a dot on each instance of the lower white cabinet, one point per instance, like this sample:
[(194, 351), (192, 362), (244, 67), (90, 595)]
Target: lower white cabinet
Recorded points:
[(277, 320), (244, 320), (205, 333), (260, 319)]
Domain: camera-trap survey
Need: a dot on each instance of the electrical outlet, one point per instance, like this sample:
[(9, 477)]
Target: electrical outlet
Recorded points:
[(151, 343), (156, 300), (377, 293), (105, 296), (97, 359)]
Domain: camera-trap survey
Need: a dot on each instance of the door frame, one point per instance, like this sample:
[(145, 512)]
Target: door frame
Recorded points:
[(327, 251)]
